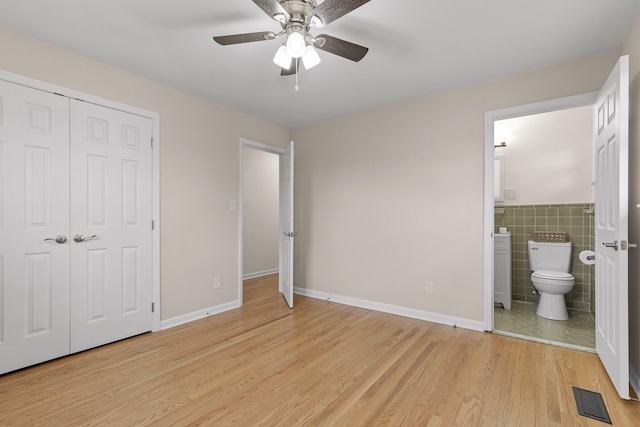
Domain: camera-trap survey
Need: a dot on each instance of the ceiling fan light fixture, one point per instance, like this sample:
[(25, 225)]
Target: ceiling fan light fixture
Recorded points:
[(282, 58), (296, 44), (310, 58)]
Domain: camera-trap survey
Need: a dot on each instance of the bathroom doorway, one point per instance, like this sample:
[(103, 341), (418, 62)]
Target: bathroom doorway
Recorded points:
[(547, 156)]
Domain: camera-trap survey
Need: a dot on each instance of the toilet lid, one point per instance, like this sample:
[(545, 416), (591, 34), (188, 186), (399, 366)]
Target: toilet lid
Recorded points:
[(557, 275)]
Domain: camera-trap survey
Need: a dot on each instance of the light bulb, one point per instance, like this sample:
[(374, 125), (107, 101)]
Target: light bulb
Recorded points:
[(282, 58), (310, 58), (295, 44)]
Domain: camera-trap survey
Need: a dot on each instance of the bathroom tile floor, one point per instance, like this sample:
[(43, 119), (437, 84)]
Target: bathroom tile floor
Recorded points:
[(522, 319)]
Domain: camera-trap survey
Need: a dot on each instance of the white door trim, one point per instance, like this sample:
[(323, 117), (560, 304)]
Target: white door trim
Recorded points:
[(257, 146), (155, 117), (489, 118)]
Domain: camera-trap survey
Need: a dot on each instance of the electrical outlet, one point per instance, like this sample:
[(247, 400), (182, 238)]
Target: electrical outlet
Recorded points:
[(429, 288), (216, 283)]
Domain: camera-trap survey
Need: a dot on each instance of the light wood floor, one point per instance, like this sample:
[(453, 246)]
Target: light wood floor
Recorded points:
[(321, 363)]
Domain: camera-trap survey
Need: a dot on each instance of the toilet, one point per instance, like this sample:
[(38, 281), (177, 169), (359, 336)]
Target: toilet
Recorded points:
[(550, 263)]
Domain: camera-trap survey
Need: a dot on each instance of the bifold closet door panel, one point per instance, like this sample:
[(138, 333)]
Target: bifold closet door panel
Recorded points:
[(111, 212), (34, 226)]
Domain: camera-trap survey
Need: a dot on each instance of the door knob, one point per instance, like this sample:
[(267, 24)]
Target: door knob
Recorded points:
[(58, 239), (613, 245), (79, 238)]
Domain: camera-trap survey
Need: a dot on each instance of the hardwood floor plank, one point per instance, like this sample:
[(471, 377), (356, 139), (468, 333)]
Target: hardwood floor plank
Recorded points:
[(318, 364)]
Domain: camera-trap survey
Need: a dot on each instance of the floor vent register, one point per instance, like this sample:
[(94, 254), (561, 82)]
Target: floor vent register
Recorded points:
[(591, 405)]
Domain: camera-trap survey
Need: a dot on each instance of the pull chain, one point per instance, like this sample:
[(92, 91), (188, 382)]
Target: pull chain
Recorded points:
[(296, 88)]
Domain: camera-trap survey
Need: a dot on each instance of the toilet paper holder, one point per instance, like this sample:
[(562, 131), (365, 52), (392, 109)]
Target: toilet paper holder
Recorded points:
[(587, 257)]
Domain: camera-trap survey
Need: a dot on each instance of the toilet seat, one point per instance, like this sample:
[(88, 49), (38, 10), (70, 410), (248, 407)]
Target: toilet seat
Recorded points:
[(552, 275)]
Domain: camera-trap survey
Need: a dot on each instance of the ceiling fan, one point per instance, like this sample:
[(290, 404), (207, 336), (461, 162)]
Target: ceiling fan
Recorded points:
[(297, 17)]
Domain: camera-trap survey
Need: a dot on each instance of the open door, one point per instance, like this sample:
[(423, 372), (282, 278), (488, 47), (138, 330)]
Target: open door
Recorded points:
[(611, 246), (287, 234)]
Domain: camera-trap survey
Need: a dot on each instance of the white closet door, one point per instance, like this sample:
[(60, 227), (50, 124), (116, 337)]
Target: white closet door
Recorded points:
[(111, 212), (34, 206)]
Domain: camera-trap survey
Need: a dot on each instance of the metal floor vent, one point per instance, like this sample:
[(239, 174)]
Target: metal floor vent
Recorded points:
[(591, 405)]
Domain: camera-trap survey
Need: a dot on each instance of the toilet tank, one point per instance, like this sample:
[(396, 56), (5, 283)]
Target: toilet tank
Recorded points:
[(550, 256)]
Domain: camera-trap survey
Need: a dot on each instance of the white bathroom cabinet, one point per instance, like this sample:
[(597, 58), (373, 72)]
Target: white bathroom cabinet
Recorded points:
[(502, 270)]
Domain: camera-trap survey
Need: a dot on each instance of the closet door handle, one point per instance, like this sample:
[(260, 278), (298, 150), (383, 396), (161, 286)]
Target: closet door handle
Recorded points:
[(58, 239), (79, 238)]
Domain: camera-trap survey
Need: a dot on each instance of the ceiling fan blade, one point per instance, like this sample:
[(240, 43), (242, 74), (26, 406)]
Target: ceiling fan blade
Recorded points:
[(340, 47), (271, 7), (244, 38), (330, 10), (292, 68)]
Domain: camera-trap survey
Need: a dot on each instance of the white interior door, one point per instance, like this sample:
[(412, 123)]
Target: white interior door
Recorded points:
[(286, 225), (611, 150), (34, 207), (111, 213)]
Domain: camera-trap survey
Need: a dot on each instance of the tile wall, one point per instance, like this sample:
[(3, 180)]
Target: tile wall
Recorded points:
[(576, 220)]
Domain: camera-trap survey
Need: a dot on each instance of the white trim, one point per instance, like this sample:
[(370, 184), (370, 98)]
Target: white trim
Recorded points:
[(243, 142), (260, 273), (489, 118), (156, 319), (155, 118), (394, 309), (199, 314)]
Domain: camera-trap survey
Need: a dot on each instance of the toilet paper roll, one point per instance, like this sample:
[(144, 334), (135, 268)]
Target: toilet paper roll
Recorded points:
[(588, 257)]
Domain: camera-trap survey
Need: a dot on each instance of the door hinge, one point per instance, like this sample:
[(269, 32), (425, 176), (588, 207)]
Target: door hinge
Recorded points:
[(151, 142), (153, 307), (153, 224)]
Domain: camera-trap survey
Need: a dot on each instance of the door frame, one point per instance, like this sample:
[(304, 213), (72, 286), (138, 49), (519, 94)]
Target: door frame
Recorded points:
[(242, 143), (155, 134), (490, 117)]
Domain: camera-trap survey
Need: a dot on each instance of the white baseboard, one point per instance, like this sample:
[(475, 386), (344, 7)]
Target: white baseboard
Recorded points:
[(260, 273), (355, 302), (634, 379), (394, 309), (197, 315)]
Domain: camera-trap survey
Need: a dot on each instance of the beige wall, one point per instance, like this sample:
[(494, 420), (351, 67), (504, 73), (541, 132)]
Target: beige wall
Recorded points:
[(632, 48), (548, 157), (389, 199), (260, 187), (198, 166)]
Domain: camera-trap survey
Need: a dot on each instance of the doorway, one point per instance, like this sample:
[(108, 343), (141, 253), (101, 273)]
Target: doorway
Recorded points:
[(260, 199), (548, 176), (555, 211), (261, 213)]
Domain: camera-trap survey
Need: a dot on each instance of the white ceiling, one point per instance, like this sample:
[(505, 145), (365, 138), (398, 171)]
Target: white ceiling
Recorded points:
[(417, 47)]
